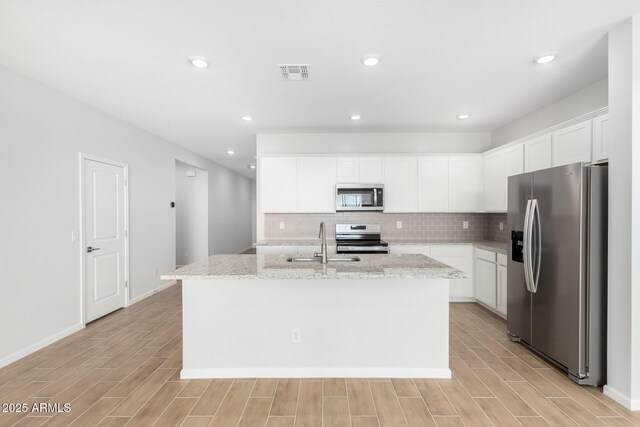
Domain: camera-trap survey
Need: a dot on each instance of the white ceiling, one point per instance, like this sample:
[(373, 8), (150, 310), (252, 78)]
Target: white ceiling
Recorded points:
[(439, 58)]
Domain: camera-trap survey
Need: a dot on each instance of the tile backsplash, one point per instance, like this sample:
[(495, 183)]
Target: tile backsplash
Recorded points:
[(419, 226)]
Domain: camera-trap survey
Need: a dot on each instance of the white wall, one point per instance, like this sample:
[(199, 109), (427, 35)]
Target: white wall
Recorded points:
[(41, 133), (349, 143), (623, 358), (192, 214), (584, 101)]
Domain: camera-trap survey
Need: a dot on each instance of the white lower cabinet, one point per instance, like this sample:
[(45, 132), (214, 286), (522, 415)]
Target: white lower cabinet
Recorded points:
[(502, 289), (409, 249), (486, 282), (460, 257), (491, 280)]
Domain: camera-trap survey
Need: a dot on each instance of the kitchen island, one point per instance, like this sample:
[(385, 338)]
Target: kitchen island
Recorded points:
[(247, 316)]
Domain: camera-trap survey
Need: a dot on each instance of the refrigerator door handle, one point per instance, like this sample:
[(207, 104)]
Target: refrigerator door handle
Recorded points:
[(536, 212), (525, 246)]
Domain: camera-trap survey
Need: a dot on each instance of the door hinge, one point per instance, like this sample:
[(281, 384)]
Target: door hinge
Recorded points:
[(125, 182), (126, 233), (126, 283)]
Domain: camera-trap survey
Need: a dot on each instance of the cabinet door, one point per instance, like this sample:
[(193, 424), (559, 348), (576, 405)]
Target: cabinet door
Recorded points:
[(502, 290), (433, 184), (514, 160), (460, 257), (494, 182), (316, 184), (348, 170), (513, 165), (277, 181), (600, 139), (400, 184), (466, 189), (486, 282), (572, 144), (371, 170), (537, 153)]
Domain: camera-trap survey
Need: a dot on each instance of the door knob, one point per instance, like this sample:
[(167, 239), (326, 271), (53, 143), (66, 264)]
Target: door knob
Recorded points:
[(90, 249)]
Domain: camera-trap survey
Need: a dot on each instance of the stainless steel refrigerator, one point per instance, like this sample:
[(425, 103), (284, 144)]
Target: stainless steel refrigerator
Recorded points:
[(557, 267)]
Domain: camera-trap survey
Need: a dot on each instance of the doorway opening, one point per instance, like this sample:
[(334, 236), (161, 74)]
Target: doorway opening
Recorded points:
[(192, 214)]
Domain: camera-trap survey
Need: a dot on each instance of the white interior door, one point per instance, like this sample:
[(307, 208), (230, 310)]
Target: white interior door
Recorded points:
[(104, 208)]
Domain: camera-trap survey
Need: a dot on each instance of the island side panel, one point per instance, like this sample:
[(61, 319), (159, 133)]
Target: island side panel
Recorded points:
[(349, 328)]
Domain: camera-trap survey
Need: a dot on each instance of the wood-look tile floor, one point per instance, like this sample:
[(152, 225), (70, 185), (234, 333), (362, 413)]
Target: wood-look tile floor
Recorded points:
[(124, 370)]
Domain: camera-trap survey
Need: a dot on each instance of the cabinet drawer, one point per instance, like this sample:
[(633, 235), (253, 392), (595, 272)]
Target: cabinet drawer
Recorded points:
[(502, 259), (450, 250), (486, 255)]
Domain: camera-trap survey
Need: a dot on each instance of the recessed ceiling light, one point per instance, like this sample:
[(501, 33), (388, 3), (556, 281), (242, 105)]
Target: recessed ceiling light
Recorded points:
[(231, 152), (546, 58), (371, 60), (246, 118), (464, 116), (251, 166), (199, 62), (355, 117)]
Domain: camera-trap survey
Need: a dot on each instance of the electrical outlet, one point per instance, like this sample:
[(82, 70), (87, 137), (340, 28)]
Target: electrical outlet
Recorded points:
[(74, 236), (296, 335), (501, 225), (398, 225), (281, 225), (465, 225)]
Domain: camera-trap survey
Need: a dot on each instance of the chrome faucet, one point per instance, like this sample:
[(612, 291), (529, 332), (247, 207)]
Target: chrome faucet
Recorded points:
[(323, 246)]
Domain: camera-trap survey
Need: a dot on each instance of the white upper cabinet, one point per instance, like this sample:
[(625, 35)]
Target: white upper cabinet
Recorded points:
[(400, 184), (466, 187), (498, 167), (494, 181), (572, 144), (348, 170), (513, 160), (366, 170), (433, 184), (600, 147), (278, 178), (316, 184), (371, 170), (537, 153)]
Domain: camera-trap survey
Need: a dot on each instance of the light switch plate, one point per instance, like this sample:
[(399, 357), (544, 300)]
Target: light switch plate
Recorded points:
[(501, 225), (398, 225), (465, 225), (281, 225)]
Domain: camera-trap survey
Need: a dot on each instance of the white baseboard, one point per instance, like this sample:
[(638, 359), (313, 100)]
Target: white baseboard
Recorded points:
[(315, 373), (624, 400), (40, 344), (462, 299), (151, 292)]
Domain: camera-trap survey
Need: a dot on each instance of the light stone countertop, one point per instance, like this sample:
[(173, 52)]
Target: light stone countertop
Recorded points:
[(489, 245), (225, 267)]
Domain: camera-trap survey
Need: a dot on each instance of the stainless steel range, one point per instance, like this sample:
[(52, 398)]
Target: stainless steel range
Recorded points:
[(360, 239)]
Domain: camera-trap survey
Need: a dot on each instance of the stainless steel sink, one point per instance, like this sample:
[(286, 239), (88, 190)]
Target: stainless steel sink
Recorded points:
[(329, 260)]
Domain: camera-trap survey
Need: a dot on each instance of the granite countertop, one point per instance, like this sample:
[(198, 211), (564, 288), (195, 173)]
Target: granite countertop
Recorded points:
[(225, 267), (489, 245)]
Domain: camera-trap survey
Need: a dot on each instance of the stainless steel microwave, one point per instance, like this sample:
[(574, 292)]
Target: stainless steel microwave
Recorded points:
[(359, 197)]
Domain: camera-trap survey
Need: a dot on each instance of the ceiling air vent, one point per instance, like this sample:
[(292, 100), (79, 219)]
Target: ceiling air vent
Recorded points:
[(294, 71)]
